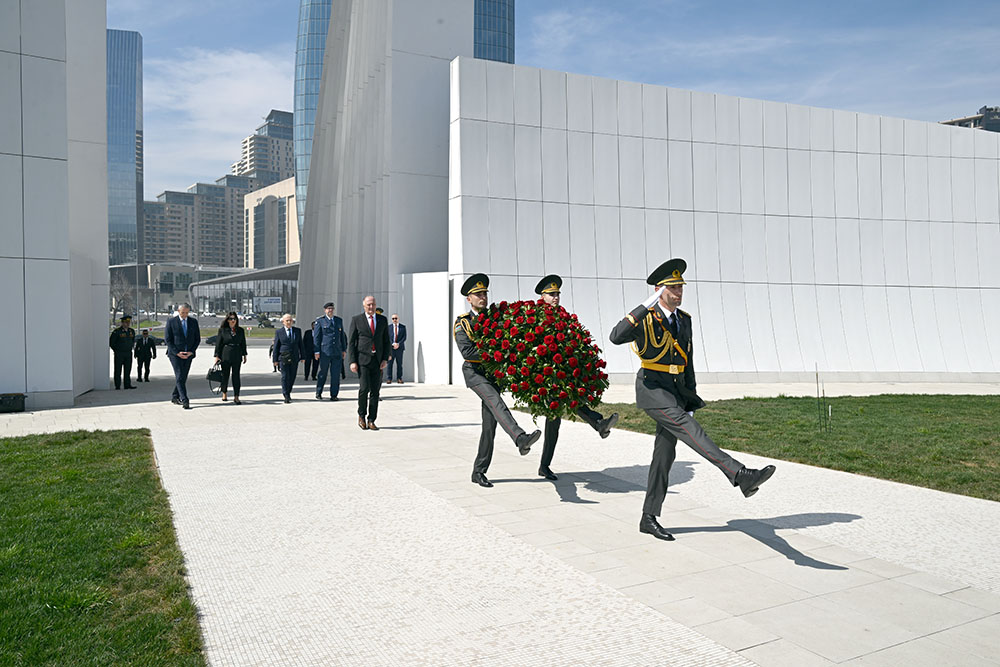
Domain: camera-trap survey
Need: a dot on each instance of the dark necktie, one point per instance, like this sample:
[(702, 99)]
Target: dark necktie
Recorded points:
[(672, 321)]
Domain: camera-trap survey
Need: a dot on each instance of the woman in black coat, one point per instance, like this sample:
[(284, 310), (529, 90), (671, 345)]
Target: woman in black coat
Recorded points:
[(230, 345)]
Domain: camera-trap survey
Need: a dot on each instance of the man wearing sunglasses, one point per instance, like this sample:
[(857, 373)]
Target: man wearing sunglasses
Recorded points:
[(397, 343)]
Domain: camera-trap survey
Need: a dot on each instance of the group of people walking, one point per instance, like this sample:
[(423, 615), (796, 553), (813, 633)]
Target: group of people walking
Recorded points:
[(125, 345)]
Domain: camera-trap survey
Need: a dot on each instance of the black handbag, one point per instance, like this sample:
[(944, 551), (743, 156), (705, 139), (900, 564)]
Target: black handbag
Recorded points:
[(214, 378)]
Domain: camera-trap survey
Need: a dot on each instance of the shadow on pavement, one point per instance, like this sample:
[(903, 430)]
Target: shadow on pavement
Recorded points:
[(609, 480), (419, 426), (764, 532)]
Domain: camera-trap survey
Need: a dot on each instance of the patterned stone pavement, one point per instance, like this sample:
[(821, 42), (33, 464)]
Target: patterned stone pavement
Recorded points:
[(309, 541)]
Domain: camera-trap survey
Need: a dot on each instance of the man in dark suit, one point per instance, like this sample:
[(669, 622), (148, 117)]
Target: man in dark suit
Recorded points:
[(666, 389), (182, 337), (329, 350), (368, 350), (145, 349), (307, 353), (121, 341), (287, 354), (397, 341)]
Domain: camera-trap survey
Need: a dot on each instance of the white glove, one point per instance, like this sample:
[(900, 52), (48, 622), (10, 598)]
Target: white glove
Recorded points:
[(690, 413), (648, 303)]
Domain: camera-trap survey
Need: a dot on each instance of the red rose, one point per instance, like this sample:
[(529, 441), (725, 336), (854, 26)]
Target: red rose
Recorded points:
[(535, 398), (539, 330), (520, 347), (561, 375), (542, 350), (554, 405), (498, 373), (581, 391), (563, 394), (530, 361), (525, 386), (560, 336), (530, 337), (550, 339), (557, 358), (485, 355), (573, 362), (497, 356), (503, 305), (547, 370), (514, 331), (543, 391), (574, 403), (524, 371), (601, 363), (576, 372), (539, 379), (505, 344), (588, 365), (511, 370)]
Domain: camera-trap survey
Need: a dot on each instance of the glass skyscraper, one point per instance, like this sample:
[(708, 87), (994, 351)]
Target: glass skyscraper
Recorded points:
[(314, 21), (124, 99), (494, 36)]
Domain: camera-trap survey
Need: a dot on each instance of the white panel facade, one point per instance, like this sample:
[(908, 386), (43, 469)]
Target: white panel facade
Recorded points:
[(815, 238), (53, 166)]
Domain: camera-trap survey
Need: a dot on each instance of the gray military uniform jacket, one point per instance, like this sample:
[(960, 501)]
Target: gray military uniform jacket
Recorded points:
[(666, 378), (472, 369)]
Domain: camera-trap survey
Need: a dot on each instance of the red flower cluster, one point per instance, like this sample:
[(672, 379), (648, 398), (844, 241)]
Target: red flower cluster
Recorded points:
[(542, 355)]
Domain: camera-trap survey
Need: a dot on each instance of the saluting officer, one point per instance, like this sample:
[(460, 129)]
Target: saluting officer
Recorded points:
[(550, 289), (475, 291), (660, 334), (122, 341)]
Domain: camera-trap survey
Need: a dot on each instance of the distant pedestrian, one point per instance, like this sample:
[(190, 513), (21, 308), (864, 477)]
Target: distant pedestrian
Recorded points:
[(287, 353), (231, 352), (122, 341), (329, 350), (145, 349), (308, 348), (368, 349), (182, 337), (397, 341)]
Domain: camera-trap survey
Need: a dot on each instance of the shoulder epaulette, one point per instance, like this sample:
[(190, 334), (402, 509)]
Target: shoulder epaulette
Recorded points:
[(684, 313)]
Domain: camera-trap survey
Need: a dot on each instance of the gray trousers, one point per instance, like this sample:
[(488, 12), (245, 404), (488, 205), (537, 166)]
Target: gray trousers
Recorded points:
[(673, 424), (495, 412), (552, 432)]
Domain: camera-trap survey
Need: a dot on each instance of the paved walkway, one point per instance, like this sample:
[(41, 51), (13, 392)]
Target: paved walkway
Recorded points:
[(309, 541)]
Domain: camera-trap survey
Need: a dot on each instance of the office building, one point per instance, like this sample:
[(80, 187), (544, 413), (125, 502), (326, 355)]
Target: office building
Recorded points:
[(54, 196), (124, 102), (314, 22), (817, 239), (494, 30), (988, 119), (271, 291), (266, 155), (271, 232)]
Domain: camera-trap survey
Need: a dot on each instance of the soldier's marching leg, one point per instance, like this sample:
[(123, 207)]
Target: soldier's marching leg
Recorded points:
[(687, 429), (549, 447), (490, 395)]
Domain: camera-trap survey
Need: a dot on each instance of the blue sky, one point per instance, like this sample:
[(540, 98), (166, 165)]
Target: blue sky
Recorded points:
[(214, 68)]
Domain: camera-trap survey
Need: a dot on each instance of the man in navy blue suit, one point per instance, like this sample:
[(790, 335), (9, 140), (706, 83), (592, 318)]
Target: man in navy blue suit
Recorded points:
[(288, 352), (182, 338), (397, 343)]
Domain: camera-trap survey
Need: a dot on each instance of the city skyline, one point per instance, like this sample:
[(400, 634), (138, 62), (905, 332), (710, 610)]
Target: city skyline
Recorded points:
[(898, 59)]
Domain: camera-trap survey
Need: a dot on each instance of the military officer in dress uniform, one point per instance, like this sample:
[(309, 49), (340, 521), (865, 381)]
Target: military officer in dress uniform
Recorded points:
[(660, 334), (550, 289), (475, 291), (122, 341)]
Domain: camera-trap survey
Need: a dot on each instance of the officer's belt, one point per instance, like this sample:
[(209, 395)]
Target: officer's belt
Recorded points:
[(473, 361), (672, 369)]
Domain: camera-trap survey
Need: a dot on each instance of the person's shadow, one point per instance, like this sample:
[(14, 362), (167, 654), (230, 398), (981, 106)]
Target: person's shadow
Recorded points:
[(609, 480), (765, 532)]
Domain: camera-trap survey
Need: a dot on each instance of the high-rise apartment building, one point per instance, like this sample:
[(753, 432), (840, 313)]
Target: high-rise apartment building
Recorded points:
[(203, 225), (270, 226), (124, 100), (314, 22), (267, 153), (988, 119), (493, 38)]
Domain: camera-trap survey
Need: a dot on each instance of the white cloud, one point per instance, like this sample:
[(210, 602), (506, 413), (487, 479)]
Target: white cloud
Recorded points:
[(199, 106)]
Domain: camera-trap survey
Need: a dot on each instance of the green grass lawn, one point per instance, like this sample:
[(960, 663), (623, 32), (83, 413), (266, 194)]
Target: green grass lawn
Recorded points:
[(260, 332), (949, 443), (90, 571), (148, 324)]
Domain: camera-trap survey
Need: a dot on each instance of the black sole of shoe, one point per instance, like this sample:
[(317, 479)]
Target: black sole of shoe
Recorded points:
[(666, 538), (770, 473)]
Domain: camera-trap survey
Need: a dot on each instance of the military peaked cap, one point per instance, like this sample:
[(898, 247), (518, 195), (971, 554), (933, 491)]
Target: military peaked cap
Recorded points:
[(328, 304), (478, 282), (548, 284), (670, 272)]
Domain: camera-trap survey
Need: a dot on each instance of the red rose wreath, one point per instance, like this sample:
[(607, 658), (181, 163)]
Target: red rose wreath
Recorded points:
[(542, 355)]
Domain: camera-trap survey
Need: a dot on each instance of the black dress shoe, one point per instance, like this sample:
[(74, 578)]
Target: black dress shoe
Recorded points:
[(547, 473), (187, 405), (236, 401), (175, 401), (334, 398), (131, 386), (649, 525), (480, 479), (750, 479), (605, 425), (526, 440), (319, 397), (288, 399)]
